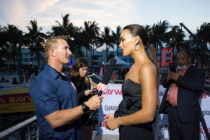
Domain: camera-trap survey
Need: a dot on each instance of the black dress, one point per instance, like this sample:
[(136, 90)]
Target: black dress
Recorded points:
[(82, 86), (130, 104)]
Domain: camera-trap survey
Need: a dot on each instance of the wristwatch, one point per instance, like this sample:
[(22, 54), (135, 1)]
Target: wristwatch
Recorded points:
[(85, 108)]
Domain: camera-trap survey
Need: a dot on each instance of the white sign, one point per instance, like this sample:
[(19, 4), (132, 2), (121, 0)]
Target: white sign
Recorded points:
[(112, 98)]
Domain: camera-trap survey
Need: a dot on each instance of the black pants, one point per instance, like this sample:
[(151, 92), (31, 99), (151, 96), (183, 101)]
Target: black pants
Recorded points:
[(181, 130)]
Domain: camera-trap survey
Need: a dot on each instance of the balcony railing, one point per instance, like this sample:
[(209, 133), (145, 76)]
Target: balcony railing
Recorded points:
[(29, 129)]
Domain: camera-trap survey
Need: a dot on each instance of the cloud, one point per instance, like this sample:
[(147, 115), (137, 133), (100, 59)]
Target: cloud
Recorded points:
[(105, 12), (20, 12)]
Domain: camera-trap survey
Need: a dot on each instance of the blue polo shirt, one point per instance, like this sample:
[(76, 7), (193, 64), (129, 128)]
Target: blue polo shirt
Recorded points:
[(50, 92)]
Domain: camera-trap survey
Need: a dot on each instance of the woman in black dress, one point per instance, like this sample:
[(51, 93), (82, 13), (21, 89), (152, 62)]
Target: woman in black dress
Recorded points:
[(84, 86), (137, 109)]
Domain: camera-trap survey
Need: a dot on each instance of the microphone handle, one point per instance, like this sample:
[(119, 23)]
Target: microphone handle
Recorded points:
[(99, 94)]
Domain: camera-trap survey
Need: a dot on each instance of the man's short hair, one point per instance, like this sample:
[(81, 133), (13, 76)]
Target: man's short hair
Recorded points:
[(187, 51), (52, 43)]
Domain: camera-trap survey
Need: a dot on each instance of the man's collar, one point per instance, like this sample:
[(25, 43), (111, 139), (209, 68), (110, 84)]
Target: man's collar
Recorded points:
[(55, 74), (51, 71)]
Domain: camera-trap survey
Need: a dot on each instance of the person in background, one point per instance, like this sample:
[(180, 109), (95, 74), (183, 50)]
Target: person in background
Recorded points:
[(26, 75), (21, 78), (123, 74), (84, 86), (2, 79), (36, 72), (181, 98), (32, 76), (119, 74), (14, 81)]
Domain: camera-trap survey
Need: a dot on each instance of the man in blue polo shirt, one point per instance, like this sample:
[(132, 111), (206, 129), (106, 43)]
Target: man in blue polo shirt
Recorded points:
[(55, 97)]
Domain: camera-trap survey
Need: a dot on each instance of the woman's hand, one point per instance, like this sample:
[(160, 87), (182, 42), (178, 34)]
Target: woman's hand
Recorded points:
[(88, 92), (111, 124), (109, 116)]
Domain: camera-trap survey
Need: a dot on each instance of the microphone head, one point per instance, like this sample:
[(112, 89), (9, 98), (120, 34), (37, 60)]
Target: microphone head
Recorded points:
[(108, 72)]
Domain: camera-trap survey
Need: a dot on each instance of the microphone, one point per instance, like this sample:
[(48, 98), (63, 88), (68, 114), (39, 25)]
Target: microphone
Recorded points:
[(105, 80)]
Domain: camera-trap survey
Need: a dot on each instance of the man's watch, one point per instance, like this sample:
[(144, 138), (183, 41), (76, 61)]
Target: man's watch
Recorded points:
[(85, 108)]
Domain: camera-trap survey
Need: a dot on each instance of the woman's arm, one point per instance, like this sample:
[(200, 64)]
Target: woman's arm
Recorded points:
[(147, 76), (92, 86), (87, 91), (81, 94)]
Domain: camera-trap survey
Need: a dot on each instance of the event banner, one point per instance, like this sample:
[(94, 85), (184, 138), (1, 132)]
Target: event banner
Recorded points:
[(204, 103), (113, 97)]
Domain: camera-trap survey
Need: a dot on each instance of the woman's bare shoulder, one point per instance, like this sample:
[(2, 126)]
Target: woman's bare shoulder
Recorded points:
[(147, 68)]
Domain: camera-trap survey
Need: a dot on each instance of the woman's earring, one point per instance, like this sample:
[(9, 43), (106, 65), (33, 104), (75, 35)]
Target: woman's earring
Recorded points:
[(135, 48)]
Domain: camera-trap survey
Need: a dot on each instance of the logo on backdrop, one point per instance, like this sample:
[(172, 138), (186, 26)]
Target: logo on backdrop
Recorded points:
[(102, 124), (113, 91), (202, 130), (110, 108), (161, 92), (207, 112), (204, 95), (203, 133)]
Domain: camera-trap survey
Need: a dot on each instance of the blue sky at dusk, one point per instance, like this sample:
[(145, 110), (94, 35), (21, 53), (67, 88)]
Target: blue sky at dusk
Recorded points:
[(105, 12)]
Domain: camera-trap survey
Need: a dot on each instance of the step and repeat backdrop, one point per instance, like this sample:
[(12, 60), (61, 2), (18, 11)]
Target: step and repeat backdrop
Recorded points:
[(113, 97)]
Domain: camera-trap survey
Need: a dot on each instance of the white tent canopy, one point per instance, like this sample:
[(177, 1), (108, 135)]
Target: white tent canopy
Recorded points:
[(119, 61)]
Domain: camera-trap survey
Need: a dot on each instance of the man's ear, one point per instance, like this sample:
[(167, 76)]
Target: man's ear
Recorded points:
[(52, 52)]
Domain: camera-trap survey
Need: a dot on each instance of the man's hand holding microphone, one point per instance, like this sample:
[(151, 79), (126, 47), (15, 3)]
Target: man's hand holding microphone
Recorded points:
[(94, 102)]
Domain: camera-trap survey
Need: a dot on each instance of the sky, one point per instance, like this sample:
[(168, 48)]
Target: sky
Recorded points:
[(109, 13)]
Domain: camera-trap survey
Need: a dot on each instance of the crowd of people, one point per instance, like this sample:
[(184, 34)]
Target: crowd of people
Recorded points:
[(121, 73), (3, 79), (64, 104), (25, 76)]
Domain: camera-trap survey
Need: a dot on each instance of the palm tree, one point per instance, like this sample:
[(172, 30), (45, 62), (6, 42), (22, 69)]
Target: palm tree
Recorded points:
[(80, 40), (203, 33), (108, 40), (3, 48), (116, 36), (79, 53), (92, 31), (65, 28), (148, 28), (200, 55), (175, 39), (12, 36), (35, 39), (162, 27), (158, 35), (111, 55)]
